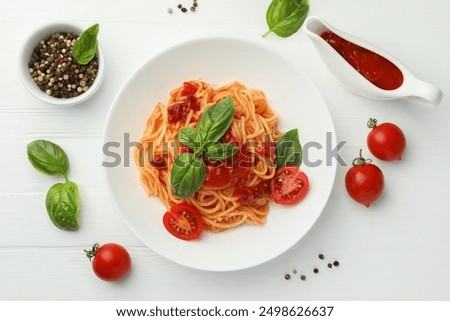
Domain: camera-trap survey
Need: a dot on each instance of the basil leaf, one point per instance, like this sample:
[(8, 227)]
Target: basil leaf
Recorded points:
[(47, 157), (220, 151), (85, 47), (215, 120), (63, 205), (187, 176), (285, 17), (289, 150), (191, 138)]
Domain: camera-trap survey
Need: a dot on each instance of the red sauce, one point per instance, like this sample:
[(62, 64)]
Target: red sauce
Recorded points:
[(375, 68), (158, 162), (178, 111), (249, 195)]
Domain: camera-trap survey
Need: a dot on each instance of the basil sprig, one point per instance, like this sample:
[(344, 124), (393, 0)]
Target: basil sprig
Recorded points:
[(189, 171), (289, 150), (285, 17), (85, 47), (63, 199)]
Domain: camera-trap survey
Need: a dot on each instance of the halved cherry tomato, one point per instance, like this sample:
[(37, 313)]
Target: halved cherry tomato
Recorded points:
[(188, 89), (289, 186), (183, 221)]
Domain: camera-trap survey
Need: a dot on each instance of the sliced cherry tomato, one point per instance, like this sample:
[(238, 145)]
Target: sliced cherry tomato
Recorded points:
[(386, 141), (364, 182), (112, 262), (188, 89), (289, 186), (183, 221)]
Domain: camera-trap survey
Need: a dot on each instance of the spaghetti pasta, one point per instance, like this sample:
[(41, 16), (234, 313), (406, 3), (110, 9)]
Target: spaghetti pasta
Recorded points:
[(254, 121)]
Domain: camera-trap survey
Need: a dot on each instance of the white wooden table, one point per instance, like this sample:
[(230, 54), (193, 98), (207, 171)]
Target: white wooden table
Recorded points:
[(397, 249)]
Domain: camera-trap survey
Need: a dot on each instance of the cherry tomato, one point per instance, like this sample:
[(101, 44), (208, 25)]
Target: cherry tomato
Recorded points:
[(188, 89), (289, 185), (364, 182), (386, 141), (111, 261), (183, 221)]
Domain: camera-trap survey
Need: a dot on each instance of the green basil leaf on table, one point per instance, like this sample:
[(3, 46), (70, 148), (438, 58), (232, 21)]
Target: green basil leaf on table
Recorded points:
[(215, 120), (285, 17), (187, 176), (289, 150), (63, 205), (191, 138), (85, 47), (47, 157), (220, 151)]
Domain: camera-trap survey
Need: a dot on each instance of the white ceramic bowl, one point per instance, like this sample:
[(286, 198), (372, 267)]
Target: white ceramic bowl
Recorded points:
[(32, 41), (219, 61)]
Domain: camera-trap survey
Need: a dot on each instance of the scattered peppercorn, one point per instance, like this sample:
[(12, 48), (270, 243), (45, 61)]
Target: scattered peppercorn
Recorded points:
[(316, 270), (195, 4), (336, 263), (287, 277), (179, 6), (192, 9), (54, 70), (330, 265), (183, 9), (321, 256), (294, 271), (303, 278), (169, 11)]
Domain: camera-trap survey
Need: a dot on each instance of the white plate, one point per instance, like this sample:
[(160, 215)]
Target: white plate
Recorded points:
[(219, 61)]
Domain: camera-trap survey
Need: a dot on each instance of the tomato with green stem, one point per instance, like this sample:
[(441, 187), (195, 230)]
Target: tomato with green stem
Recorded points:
[(364, 181), (386, 141), (110, 262)]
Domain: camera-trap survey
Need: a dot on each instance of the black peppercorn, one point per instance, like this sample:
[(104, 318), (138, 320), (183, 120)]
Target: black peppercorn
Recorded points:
[(179, 6), (287, 276), (321, 256), (303, 278), (336, 263), (330, 265), (183, 9), (316, 270)]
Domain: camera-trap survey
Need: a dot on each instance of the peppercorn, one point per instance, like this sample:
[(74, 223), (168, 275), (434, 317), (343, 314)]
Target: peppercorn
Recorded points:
[(330, 265), (192, 9), (183, 9), (321, 256), (195, 4), (303, 278), (54, 71), (179, 6), (316, 270), (287, 277), (336, 263)]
